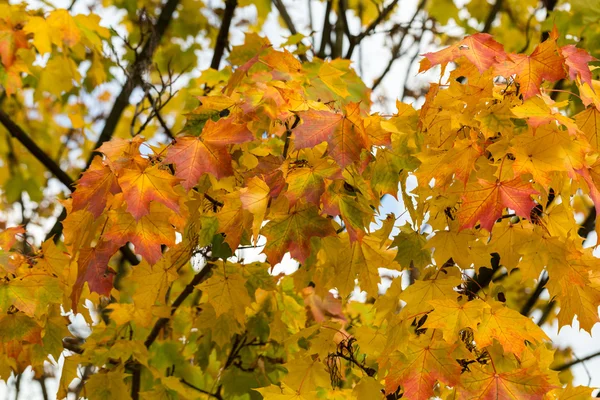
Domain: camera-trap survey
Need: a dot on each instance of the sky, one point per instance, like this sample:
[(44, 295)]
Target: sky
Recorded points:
[(370, 61)]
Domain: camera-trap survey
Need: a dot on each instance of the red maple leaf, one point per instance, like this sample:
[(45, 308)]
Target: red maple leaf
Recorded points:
[(484, 201), (193, 156)]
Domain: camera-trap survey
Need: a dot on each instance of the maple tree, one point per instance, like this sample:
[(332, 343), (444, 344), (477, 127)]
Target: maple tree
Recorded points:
[(190, 200)]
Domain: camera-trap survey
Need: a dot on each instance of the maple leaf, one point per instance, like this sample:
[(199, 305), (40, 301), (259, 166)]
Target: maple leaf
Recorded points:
[(292, 232), (141, 187), (308, 183), (508, 327), (480, 49), (208, 153), (93, 268), (505, 379), (539, 110), (588, 122), (93, 188), (577, 61), (255, 198), (548, 150), (484, 201), (147, 234), (418, 295), (577, 289), (8, 237), (360, 259), (122, 153), (545, 63), (344, 133), (425, 362), (451, 317), (152, 282), (234, 219), (31, 293), (227, 293)]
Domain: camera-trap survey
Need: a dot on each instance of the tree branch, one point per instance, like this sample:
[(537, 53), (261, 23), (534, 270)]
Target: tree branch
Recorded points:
[(483, 278), (355, 41), (325, 36), (135, 74), (539, 289), (288, 22), (575, 362), (398, 47), (133, 80), (492, 16), (160, 324), (223, 36), (18, 133)]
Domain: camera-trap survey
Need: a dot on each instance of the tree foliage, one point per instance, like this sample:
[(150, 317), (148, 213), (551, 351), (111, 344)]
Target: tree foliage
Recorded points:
[(190, 196)]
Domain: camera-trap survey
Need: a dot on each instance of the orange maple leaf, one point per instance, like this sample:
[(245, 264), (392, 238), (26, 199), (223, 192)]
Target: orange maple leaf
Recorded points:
[(151, 184), (193, 156), (481, 49), (425, 362), (577, 61), (93, 268), (545, 63), (344, 133), (497, 380), (292, 232), (94, 187), (484, 201), (146, 234)]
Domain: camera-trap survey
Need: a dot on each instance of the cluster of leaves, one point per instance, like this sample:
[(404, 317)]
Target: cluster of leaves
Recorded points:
[(285, 157)]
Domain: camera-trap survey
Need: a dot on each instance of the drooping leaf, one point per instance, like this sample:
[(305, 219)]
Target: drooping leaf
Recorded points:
[(207, 153)]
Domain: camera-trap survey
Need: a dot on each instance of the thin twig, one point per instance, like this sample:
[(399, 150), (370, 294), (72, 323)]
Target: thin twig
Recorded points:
[(134, 78), (355, 41), (396, 50), (539, 289)]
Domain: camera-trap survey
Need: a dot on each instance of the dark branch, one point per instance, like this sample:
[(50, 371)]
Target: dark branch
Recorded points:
[(325, 36), (288, 22), (355, 41), (216, 396), (539, 289), (162, 322), (223, 36), (484, 277), (136, 71), (492, 16), (133, 80), (18, 133), (397, 48), (575, 362)]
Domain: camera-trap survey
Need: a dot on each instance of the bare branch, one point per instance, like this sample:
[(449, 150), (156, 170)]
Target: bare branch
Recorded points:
[(539, 289), (223, 36), (288, 22), (326, 32), (355, 41), (575, 362), (122, 101), (162, 322), (18, 133), (396, 50), (492, 16), (135, 74)]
